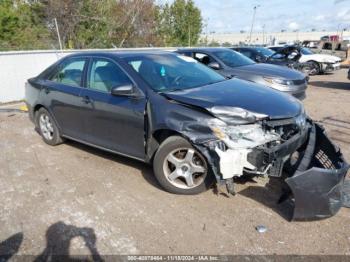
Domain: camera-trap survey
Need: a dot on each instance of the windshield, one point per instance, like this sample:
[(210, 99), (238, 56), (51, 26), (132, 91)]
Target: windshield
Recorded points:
[(306, 51), (233, 59), (265, 51), (168, 72)]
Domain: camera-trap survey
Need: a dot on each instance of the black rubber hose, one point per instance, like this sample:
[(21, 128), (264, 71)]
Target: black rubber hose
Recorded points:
[(309, 151)]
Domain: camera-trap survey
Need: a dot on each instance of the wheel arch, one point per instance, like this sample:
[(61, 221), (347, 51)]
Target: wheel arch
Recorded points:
[(319, 64), (161, 134), (313, 61), (37, 107), (156, 139)]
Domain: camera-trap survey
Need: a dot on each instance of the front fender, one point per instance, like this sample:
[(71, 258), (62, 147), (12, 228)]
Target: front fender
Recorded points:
[(192, 124)]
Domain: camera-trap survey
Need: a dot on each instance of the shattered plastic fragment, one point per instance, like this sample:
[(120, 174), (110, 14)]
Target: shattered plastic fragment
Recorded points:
[(261, 229)]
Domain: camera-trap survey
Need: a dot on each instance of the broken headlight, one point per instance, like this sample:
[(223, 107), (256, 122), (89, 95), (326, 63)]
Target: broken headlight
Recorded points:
[(300, 120), (242, 136)]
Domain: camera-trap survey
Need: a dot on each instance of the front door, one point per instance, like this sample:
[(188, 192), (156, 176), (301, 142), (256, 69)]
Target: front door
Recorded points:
[(112, 122)]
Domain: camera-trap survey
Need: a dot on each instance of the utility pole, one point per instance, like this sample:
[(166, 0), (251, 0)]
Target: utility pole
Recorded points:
[(297, 31), (263, 34), (338, 29), (342, 32), (206, 31), (253, 20), (188, 18), (58, 33)]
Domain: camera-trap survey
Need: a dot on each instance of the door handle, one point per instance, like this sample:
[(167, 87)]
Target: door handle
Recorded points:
[(86, 100)]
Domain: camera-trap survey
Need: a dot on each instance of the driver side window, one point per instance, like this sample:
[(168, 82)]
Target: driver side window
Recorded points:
[(104, 75)]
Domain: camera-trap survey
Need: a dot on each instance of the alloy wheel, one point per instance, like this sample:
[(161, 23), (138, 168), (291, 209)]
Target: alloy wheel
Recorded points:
[(185, 168), (46, 126)]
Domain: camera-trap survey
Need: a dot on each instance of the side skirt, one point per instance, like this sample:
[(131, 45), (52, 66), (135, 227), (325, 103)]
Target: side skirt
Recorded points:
[(104, 149)]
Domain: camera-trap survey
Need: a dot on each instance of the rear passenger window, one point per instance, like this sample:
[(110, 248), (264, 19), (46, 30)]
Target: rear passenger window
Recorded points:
[(70, 72), (248, 54), (104, 75)]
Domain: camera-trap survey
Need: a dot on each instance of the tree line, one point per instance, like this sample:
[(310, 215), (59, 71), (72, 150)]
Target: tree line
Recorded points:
[(31, 24)]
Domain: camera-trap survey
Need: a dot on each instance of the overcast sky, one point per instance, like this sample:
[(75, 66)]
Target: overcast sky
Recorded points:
[(303, 15)]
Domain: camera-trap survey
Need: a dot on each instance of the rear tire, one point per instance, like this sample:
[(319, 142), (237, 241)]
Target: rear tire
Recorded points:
[(180, 168), (47, 127)]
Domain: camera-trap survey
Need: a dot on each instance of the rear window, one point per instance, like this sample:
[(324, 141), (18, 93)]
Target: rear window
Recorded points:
[(70, 72), (233, 59)]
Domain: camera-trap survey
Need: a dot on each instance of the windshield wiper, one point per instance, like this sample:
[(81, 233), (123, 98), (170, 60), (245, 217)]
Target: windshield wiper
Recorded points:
[(175, 89), (185, 88)]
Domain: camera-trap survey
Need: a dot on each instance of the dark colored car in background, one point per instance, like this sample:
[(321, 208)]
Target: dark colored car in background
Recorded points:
[(194, 125), (349, 74), (263, 55), (279, 57), (230, 63), (312, 63)]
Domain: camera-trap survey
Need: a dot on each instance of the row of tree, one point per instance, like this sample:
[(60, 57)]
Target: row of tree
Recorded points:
[(30, 24)]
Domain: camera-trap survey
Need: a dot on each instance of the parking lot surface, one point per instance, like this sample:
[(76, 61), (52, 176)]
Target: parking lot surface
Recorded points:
[(73, 199)]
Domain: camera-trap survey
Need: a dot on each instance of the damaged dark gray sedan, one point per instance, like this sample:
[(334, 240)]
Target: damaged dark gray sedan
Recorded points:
[(195, 126)]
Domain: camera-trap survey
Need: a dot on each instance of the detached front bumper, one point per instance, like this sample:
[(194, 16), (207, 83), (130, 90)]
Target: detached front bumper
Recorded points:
[(317, 184)]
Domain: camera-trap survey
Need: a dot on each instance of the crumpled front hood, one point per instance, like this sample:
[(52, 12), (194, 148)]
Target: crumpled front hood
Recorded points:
[(270, 70), (242, 94)]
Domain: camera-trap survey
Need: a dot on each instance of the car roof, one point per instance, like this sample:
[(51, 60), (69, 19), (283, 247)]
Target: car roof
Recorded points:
[(250, 47), (203, 49), (121, 53)]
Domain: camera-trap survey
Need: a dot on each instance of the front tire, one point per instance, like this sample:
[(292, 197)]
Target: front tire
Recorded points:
[(316, 68), (47, 127), (180, 168)]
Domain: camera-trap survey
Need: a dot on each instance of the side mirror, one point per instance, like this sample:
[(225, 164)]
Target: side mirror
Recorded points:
[(214, 65), (123, 90)]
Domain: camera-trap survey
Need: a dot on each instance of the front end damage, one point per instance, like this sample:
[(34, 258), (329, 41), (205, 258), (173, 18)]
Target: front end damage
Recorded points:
[(239, 142), (295, 150)]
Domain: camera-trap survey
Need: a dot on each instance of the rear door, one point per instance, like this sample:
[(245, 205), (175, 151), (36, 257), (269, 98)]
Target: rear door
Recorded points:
[(249, 54), (112, 122), (61, 95)]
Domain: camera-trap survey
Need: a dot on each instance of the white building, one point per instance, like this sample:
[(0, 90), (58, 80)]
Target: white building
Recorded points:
[(267, 38)]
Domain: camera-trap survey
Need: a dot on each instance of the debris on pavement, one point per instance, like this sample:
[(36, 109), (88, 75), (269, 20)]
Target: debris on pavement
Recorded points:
[(261, 229)]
